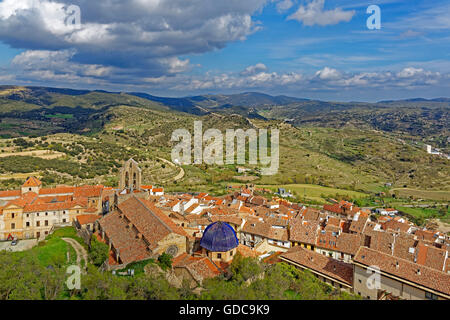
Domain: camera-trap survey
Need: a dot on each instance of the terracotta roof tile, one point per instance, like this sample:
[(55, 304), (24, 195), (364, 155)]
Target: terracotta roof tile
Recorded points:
[(87, 218), (32, 182), (325, 265), (410, 271)]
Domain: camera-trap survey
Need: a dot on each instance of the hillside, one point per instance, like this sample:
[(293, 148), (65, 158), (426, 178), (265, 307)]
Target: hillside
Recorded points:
[(72, 136)]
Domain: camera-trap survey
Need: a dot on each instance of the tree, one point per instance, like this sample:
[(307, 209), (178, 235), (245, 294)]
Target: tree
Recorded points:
[(165, 261), (98, 252), (244, 268)]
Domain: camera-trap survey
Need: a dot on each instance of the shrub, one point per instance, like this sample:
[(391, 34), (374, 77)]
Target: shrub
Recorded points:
[(98, 252)]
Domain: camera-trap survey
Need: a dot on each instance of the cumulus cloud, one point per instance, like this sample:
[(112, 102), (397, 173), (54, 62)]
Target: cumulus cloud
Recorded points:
[(328, 74), (314, 14), (251, 70), (150, 35)]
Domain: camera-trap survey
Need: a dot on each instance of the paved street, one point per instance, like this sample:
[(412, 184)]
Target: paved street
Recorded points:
[(22, 245)]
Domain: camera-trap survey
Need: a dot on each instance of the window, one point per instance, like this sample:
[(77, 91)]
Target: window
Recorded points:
[(219, 256), (431, 296), (46, 222), (13, 225), (231, 253), (46, 213), (38, 223), (359, 280), (13, 215), (27, 224), (37, 214), (64, 220)]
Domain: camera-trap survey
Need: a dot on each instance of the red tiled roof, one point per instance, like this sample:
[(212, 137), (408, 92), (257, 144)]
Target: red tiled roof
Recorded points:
[(233, 219), (57, 190), (147, 220), (396, 226), (200, 268), (123, 238), (10, 193), (303, 231), (88, 191), (87, 218), (315, 261), (404, 269), (32, 182)]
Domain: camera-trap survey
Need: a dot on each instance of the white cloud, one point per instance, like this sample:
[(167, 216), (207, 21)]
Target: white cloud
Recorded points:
[(409, 72), (328, 74), (284, 5), (314, 13), (251, 70)]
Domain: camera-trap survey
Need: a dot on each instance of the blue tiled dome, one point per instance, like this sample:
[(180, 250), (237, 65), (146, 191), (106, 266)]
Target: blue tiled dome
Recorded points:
[(219, 237)]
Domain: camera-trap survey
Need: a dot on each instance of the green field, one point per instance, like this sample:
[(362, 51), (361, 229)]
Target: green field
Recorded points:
[(52, 252), (316, 193), (422, 194), (419, 215), (59, 116)]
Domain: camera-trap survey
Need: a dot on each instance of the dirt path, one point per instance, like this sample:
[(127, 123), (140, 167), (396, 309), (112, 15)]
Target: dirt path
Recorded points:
[(79, 249), (179, 176)]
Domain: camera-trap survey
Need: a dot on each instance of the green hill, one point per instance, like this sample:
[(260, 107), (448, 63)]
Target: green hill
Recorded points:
[(97, 130)]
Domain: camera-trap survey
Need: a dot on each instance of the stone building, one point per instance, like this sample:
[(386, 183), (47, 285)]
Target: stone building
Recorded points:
[(130, 176), (33, 211), (138, 230)]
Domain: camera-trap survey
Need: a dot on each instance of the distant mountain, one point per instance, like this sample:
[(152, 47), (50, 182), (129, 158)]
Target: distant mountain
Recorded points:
[(423, 118), (197, 104), (417, 100)]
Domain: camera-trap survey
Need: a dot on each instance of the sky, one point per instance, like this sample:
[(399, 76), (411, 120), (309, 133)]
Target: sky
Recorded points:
[(317, 49)]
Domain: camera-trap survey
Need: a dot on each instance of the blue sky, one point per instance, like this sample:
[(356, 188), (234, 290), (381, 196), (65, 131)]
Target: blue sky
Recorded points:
[(318, 49)]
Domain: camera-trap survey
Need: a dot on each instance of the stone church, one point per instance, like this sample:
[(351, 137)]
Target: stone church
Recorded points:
[(130, 176)]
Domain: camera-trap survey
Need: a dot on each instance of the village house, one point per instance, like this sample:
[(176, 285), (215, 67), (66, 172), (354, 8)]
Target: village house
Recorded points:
[(194, 269), (386, 211), (256, 230), (336, 273), (397, 277), (303, 233)]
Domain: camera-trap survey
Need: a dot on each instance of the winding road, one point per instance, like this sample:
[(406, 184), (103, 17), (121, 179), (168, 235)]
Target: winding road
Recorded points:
[(79, 249), (179, 176)]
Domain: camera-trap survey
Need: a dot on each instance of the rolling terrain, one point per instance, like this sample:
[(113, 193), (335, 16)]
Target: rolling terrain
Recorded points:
[(351, 146)]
